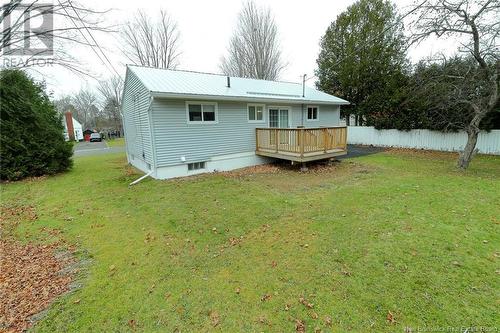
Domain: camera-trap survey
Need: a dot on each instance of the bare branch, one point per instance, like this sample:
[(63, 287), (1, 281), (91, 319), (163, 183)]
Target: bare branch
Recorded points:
[(151, 43), (254, 49), (15, 15)]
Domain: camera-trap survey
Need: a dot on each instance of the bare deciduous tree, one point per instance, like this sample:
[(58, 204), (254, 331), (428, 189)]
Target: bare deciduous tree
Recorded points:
[(476, 24), (111, 93), (71, 21), (85, 103), (64, 104), (151, 43), (254, 49)]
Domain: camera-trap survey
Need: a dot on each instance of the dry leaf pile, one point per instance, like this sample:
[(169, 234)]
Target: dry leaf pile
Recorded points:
[(31, 276), (275, 168), (421, 153), (30, 279)]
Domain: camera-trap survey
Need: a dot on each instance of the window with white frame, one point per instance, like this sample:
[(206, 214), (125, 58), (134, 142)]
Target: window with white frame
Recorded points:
[(312, 113), (202, 112), (255, 112)]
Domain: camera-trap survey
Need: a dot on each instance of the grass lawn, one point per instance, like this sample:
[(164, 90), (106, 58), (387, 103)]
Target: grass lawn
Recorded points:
[(337, 250), (118, 142)]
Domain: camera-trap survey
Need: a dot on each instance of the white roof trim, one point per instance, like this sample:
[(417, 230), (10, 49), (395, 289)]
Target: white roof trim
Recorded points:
[(157, 94)]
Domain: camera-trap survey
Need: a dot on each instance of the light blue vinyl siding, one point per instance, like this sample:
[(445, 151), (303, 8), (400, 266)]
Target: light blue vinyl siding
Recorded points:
[(135, 108), (328, 115), (232, 134)]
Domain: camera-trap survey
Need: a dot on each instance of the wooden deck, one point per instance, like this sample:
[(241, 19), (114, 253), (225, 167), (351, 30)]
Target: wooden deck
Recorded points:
[(301, 144)]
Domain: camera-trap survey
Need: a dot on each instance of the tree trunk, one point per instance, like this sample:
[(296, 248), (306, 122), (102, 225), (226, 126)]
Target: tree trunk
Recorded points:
[(469, 149)]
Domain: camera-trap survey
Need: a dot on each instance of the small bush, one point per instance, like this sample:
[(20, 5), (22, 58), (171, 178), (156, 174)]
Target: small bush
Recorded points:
[(31, 131)]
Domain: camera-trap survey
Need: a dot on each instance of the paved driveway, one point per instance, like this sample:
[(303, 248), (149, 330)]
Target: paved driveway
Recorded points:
[(356, 151), (95, 148)]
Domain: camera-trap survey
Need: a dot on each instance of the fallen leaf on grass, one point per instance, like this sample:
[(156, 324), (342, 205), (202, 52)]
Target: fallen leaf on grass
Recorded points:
[(303, 301), (274, 264), (390, 318), (300, 326), (345, 270), (214, 318), (266, 297), (132, 323), (237, 290), (233, 241), (328, 321), (314, 315)]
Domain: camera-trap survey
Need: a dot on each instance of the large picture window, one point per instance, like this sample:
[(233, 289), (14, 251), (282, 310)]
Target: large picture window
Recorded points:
[(201, 112), (256, 113)]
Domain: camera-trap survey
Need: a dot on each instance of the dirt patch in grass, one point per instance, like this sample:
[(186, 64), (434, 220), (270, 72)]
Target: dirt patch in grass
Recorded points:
[(320, 167), (286, 177), (31, 277), (420, 153)]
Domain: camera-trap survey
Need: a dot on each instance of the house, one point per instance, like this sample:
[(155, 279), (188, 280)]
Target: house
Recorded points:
[(179, 123), (72, 128)]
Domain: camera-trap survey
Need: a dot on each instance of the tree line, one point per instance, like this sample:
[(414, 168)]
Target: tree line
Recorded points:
[(363, 58)]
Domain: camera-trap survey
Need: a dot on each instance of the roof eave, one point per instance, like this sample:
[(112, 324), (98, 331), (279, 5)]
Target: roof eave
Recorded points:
[(157, 94)]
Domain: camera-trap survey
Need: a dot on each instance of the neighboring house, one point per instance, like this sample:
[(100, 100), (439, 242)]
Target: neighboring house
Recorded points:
[(179, 123), (72, 128)]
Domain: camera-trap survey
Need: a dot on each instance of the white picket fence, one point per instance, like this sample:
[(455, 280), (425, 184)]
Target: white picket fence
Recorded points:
[(487, 143)]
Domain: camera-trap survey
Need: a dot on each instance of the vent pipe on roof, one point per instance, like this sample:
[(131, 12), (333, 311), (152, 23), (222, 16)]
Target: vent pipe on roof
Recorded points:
[(228, 82), (304, 85)]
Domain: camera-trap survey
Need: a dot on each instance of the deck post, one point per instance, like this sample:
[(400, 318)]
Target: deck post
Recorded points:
[(302, 142), (276, 139), (345, 138), (257, 139), (325, 139)]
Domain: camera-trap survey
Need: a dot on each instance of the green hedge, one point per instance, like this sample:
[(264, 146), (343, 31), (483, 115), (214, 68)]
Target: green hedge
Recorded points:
[(31, 131)]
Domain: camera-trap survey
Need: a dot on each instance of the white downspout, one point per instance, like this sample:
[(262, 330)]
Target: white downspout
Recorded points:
[(141, 178)]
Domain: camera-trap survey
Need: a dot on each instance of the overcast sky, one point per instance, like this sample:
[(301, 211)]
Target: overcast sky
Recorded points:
[(206, 27)]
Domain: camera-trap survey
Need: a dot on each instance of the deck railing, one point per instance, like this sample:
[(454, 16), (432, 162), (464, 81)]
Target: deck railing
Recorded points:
[(301, 141)]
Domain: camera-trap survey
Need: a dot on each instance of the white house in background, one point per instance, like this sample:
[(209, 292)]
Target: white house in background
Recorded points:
[(179, 123), (72, 126)]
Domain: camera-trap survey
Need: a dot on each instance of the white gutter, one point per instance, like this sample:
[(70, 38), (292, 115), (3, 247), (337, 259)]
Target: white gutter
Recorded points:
[(141, 178)]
